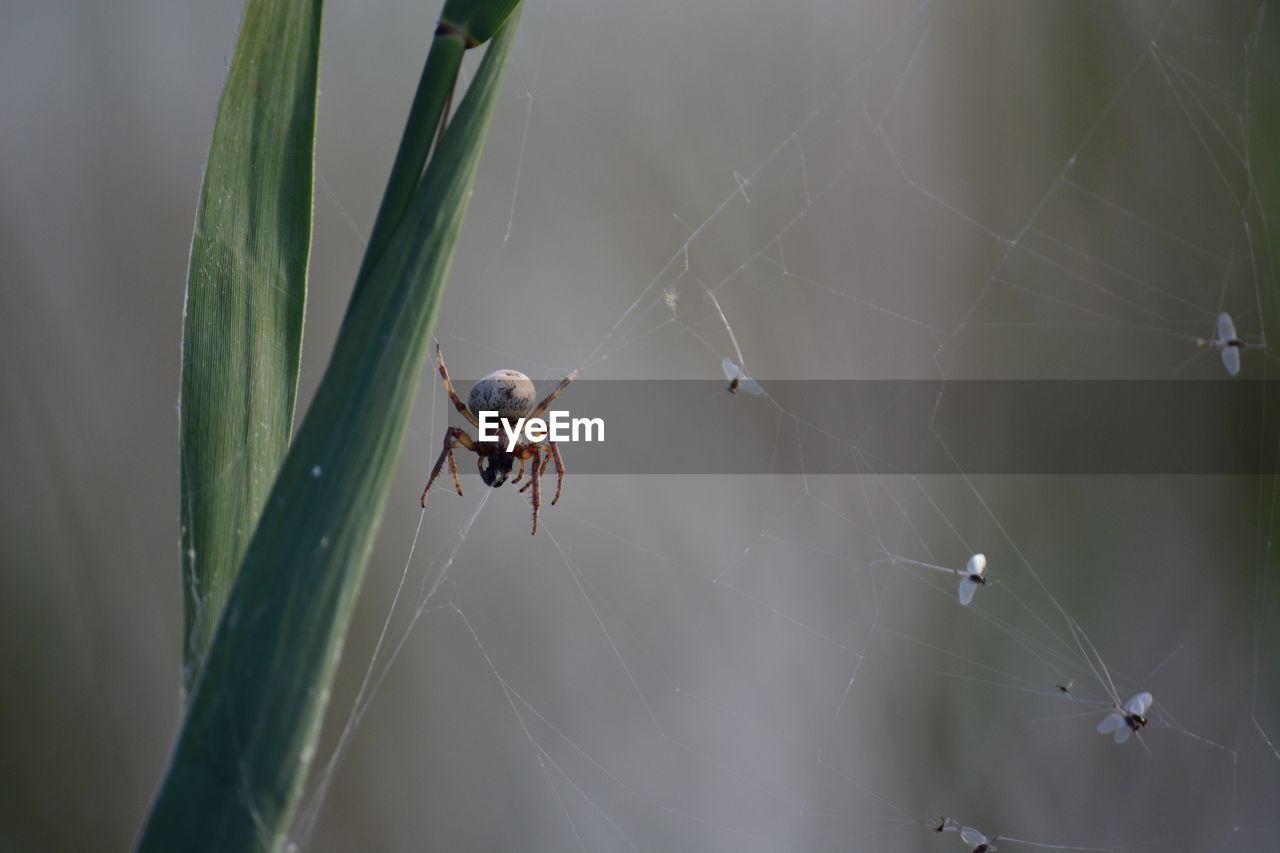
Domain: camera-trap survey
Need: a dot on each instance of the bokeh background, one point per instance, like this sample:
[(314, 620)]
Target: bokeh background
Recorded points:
[(873, 190)]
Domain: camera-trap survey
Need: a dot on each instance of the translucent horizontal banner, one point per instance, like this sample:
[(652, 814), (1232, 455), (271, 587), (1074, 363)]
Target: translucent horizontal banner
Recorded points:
[(820, 427)]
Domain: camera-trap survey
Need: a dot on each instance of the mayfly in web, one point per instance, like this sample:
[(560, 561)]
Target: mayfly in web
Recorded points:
[(739, 379), (1227, 341), (974, 575), (1127, 719), (511, 394), (978, 843), (973, 839)]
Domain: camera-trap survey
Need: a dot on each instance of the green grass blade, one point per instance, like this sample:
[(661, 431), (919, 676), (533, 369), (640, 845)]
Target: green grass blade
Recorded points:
[(239, 764), (463, 24), (435, 89), (246, 291)]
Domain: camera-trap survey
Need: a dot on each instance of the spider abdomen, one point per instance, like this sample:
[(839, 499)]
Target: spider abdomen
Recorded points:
[(508, 392)]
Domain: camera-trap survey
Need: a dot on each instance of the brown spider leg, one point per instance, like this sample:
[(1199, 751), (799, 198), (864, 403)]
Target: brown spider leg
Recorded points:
[(520, 474), (522, 453), (453, 395), (533, 476), (546, 460), (542, 407), (453, 437), (555, 454), (541, 470)]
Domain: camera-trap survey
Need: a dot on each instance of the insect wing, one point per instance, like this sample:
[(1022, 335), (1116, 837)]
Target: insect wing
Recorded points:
[(972, 837), (1226, 328), (977, 564), (967, 589), (1138, 704), (745, 382), (1231, 359), (1110, 723), (1122, 733)]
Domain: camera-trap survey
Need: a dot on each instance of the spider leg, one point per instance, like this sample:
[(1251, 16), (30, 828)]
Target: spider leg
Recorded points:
[(520, 474), (555, 454), (453, 395), (546, 401), (547, 458), (533, 477), (523, 453), (542, 470), (453, 437)]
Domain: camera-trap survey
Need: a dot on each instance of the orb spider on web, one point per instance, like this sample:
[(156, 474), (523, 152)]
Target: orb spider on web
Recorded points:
[(511, 394)]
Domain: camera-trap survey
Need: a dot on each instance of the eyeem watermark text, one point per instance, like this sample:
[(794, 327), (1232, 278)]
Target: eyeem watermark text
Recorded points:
[(559, 426)]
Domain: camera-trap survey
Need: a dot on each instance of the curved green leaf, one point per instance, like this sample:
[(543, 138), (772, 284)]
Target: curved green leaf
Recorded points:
[(251, 728), (246, 292)]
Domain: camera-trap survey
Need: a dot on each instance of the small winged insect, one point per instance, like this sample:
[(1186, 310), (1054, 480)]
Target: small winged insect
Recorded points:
[(978, 843), (1127, 719), (1065, 687), (1227, 341), (1230, 344), (974, 575), (944, 824), (739, 379)]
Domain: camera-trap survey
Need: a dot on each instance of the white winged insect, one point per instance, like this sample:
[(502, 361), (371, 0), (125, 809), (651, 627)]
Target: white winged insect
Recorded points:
[(736, 374), (978, 843), (945, 824), (1227, 341), (1127, 719), (739, 379), (974, 575)]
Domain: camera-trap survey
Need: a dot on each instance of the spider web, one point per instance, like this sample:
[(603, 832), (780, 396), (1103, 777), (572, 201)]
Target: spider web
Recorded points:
[(940, 191)]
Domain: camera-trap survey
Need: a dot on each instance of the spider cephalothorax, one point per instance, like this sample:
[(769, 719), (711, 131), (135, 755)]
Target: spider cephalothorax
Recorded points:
[(511, 394)]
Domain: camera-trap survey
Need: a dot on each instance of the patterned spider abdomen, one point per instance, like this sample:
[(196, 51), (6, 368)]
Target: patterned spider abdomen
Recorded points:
[(508, 392)]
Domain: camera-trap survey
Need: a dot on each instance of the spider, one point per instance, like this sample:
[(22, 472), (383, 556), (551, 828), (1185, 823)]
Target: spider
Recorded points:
[(510, 393)]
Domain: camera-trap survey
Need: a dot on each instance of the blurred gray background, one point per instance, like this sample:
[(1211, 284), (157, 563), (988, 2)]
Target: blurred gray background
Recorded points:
[(873, 189)]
